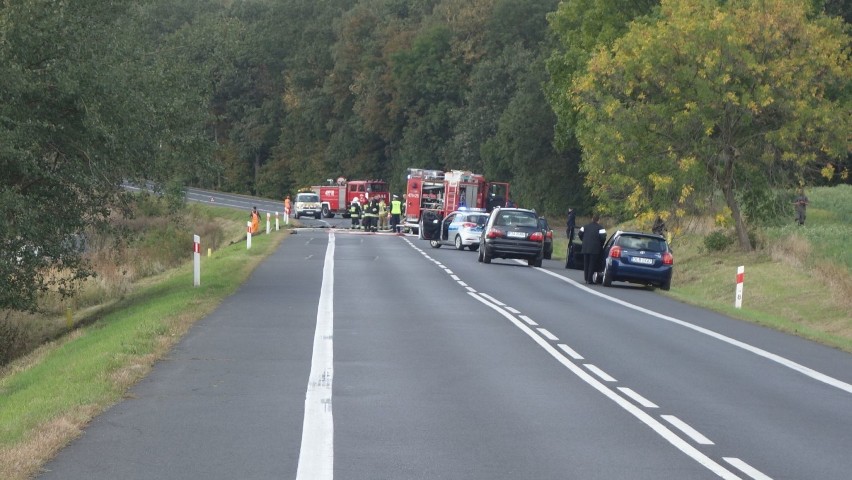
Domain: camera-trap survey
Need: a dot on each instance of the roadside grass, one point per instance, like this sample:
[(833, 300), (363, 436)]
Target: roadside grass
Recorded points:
[(48, 396)]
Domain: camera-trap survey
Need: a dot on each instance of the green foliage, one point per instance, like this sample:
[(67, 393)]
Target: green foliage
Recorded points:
[(718, 240)]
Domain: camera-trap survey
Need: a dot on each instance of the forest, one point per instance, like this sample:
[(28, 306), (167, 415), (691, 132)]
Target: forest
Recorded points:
[(634, 108)]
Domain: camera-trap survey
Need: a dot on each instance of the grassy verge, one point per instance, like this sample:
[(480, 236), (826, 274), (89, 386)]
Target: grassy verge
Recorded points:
[(47, 397)]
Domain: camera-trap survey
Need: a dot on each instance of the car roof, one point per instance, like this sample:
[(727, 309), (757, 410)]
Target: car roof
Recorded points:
[(638, 234)]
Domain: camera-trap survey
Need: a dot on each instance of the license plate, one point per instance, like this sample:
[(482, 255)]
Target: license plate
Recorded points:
[(517, 234), (642, 260)]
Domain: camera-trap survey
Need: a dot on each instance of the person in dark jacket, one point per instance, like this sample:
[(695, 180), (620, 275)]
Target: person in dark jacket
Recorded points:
[(593, 236), (572, 222)]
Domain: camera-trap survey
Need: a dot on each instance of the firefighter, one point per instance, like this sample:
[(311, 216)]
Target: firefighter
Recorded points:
[(371, 215), (255, 220), (383, 214), (355, 213), (396, 211)]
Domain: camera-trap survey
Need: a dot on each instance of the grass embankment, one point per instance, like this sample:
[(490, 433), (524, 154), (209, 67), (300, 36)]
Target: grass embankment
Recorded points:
[(48, 396), (798, 280)]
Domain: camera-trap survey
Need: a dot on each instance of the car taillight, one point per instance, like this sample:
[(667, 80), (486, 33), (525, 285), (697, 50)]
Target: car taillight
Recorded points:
[(494, 233), (615, 252), (550, 234), (668, 259), (468, 225), (536, 237)]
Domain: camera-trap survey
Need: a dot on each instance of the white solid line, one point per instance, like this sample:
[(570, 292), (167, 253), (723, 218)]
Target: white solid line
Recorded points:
[(637, 412), (493, 300), (527, 319), (747, 469), (821, 377), (686, 429), (638, 398), (570, 351), (316, 454), (547, 334), (513, 310), (600, 373)]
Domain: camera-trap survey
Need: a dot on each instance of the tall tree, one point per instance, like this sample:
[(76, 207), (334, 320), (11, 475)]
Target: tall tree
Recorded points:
[(712, 96)]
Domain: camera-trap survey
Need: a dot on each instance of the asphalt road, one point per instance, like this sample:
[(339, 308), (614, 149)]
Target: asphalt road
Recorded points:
[(372, 356)]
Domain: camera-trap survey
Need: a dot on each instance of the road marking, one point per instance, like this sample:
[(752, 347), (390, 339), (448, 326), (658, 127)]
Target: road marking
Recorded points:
[(637, 412), (638, 398), (547, 334), (455, 277), (493, 300), (821, 377), (527, 319), (570, 351), (600, 373), (316, 455), (462, 283), (747, 469), (513, 310), (686, 429)]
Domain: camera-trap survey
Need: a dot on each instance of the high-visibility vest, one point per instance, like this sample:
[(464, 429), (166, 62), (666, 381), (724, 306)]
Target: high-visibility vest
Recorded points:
[(396, 207), (354, 211)]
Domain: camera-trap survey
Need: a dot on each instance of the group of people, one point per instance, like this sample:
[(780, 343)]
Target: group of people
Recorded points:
[(374, 215)]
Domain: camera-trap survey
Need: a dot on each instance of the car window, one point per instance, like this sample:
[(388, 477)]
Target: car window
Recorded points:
[(478, 219), (642, 243), (307, 197)]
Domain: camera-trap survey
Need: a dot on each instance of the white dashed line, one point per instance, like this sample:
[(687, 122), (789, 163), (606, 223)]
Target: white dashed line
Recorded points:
[(455, 277), (513, 310), (570, 351), (547, 334), (600, 373), (527, 319), (747, 469), (493, 300), (687, 430), (638, 398)]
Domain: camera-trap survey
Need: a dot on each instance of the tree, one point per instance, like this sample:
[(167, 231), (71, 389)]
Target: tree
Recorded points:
[(712, 96)]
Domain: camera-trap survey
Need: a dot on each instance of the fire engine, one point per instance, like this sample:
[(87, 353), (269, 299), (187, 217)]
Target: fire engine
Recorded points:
[(337, 196), (434, 194)]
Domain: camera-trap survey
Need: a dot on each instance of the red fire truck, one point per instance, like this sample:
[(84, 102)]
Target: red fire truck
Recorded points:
[(434, 193), (337, 196)]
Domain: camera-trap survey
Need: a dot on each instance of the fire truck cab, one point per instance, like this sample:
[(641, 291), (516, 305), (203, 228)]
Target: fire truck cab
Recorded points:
[(433, 194), (337, 196)]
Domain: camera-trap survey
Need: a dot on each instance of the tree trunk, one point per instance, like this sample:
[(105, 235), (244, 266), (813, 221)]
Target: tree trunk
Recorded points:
[(728, 158)]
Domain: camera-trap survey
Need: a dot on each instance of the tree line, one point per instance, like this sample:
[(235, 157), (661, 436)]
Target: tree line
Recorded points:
[(636, 108)]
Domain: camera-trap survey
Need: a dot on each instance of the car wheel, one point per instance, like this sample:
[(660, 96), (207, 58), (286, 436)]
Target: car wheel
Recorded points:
[(326, 212), (607, 277), (534, 262), (666, 285), (547, 255), (479, 257), (474, 247), (459, 244), (596, 278), (486, 255), (434, 244)]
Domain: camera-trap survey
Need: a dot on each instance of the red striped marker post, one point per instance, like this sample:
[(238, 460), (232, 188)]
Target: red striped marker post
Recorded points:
[(248, 235), (196, 260), (738, 303)]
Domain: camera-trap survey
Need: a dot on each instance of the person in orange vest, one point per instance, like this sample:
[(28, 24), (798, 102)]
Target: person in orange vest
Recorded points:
[(255, 220), (287, 210)]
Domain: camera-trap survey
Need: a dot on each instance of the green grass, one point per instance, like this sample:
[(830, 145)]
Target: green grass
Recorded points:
[(71, 380)]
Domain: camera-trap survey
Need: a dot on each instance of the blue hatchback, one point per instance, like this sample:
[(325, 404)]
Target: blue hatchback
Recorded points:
[(636, 257)]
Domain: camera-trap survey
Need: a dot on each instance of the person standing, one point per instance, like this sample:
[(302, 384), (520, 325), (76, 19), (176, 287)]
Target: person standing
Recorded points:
[(396, 212), (255, 220), (383, 214), (371, 215), (801, 203), (572, 222), (287, 205), (355, 214), (593, 236)]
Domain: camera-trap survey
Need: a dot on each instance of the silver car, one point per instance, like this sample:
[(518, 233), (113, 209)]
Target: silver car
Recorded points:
[(461, 228)]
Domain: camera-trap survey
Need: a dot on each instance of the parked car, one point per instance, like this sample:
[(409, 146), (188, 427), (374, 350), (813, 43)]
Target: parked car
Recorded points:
[(461, 228), (548, 237), (636, 257), (574, 256), (512, 233)]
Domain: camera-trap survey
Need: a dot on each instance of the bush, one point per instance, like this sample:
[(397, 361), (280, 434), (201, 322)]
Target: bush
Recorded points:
[(13, 342), (718, 240)]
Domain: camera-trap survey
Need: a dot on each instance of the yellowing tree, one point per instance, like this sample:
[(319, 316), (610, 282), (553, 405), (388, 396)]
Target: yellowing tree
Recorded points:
[(706, 97)]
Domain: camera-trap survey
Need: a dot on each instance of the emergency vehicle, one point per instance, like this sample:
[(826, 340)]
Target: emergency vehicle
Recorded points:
[(336, 197), (433, 194)]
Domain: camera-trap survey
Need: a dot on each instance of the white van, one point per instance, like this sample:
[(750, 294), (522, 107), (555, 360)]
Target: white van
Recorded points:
[(308, 204)]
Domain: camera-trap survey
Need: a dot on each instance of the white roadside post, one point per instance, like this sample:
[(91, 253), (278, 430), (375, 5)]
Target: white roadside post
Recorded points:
[(196, 260), (248, 235), (267, 222), (276, 221), (740, 277)]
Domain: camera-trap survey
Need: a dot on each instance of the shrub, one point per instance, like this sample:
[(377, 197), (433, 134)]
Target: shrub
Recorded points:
[(13, 342), (718, 240)]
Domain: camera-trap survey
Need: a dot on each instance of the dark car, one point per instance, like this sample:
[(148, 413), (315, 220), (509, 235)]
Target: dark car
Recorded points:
[(574, 256), (512, 233), (548, 237), (636, 257)]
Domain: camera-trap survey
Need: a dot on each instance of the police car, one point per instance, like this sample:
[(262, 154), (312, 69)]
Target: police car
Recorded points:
[(461, 228)]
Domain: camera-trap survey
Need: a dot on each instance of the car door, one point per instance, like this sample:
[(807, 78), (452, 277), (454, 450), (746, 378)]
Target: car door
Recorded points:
[(449, 227)]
